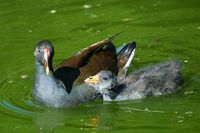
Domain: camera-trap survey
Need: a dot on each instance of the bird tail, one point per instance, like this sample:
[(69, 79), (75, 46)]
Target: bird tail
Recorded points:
[(125, 55)]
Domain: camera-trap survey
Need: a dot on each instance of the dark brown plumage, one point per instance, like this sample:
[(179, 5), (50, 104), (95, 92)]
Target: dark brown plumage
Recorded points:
[(89, 61)]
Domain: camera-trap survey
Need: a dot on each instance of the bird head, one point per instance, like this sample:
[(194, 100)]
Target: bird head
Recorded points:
[(44, 52), (103, 81)]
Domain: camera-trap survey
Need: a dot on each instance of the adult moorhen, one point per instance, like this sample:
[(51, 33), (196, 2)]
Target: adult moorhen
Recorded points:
[(54, 88), (159, 79)]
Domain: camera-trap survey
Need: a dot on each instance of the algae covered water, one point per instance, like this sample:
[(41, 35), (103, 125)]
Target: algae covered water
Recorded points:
[(162, 29)]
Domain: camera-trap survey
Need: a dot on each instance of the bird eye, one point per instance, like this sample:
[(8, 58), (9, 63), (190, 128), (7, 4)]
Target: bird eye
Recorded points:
[(105, 78), (39, 50)]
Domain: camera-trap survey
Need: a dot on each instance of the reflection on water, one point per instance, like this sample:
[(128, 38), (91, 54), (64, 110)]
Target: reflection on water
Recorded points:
[(48, 120), (102, 119), (106, 116)]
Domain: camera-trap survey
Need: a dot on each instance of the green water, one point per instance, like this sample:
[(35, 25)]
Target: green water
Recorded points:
[(162, 29)]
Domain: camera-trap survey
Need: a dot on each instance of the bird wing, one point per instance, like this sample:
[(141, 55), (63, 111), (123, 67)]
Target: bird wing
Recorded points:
[(88, 61), (78, 60)]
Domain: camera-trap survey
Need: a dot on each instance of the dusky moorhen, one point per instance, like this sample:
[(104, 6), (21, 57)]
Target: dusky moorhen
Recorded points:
[(54, 88), (159, 79)]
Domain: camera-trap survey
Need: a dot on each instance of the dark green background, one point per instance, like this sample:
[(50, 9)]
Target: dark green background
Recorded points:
[(163, 29)]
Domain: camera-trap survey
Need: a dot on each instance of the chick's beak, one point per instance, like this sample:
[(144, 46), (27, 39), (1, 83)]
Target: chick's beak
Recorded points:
[(45, 61), (92, 80)]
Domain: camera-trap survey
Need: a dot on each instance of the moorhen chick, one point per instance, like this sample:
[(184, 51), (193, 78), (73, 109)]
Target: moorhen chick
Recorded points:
[(155, 80), (54, 88)]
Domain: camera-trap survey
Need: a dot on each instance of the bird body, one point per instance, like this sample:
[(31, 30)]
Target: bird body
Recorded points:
[(160, 79), (51, 91), (56, 89)]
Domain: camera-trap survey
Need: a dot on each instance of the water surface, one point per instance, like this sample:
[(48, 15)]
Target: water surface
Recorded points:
[(162, 29)]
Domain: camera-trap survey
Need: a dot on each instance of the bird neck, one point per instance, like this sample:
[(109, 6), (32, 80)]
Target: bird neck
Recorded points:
[(50, 65), (48, 89), (41, 76)]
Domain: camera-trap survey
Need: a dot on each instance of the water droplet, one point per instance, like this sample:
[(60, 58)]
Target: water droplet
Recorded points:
[(188, 92), (188, 113), (53, 11), (126, 19), (180, 118), (10, 81), (93, 16), (180, 121), (137, 59), (87, 6), (24, 76)]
